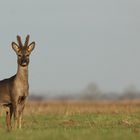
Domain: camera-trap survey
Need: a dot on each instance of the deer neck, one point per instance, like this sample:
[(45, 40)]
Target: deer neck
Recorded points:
[(22, 74)]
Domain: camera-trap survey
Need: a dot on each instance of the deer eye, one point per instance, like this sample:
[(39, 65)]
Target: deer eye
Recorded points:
[(19, 55)]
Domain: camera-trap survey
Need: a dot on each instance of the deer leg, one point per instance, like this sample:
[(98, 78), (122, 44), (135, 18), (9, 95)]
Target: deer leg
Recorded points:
[(19, 121), (20, 115), (15, 110), (21, 102), (8, 120), (11, 113)]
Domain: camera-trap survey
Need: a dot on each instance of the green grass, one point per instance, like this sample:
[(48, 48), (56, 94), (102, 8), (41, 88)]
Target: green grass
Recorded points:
[(89, 126)]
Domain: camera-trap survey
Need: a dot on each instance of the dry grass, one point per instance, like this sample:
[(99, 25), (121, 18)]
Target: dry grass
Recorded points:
[(80, 120), (80, 107)]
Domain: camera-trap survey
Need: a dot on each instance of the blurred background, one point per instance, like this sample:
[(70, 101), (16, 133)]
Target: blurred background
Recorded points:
[(85, 49)]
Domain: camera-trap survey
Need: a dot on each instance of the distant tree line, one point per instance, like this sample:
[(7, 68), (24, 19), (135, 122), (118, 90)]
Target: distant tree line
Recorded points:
[(90, 92)]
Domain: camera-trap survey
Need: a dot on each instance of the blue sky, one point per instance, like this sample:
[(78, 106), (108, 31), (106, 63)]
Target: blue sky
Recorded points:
[(78, 42)]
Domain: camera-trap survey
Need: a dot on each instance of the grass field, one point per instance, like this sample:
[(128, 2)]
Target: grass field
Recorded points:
[(82, 120)]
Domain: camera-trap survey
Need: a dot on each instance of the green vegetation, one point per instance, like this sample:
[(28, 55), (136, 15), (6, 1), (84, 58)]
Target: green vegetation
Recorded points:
[(76, 126)]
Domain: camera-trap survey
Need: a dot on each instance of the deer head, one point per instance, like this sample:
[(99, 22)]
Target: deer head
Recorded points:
[(23, 51)]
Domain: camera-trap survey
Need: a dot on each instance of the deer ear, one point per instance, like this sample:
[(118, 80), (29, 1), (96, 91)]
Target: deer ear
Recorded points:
[(15, 47), (31, 47)]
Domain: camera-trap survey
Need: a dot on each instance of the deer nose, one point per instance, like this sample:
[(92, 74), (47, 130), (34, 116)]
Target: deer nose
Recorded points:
[(24, 61)]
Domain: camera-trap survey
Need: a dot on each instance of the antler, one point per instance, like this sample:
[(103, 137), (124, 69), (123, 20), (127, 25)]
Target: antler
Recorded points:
[(19, 41), (27, 40)]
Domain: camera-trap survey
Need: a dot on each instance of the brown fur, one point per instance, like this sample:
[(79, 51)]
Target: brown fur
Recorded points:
[(14, 90)]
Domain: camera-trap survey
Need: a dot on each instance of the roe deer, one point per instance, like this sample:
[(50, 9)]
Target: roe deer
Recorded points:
[(14, 90)]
